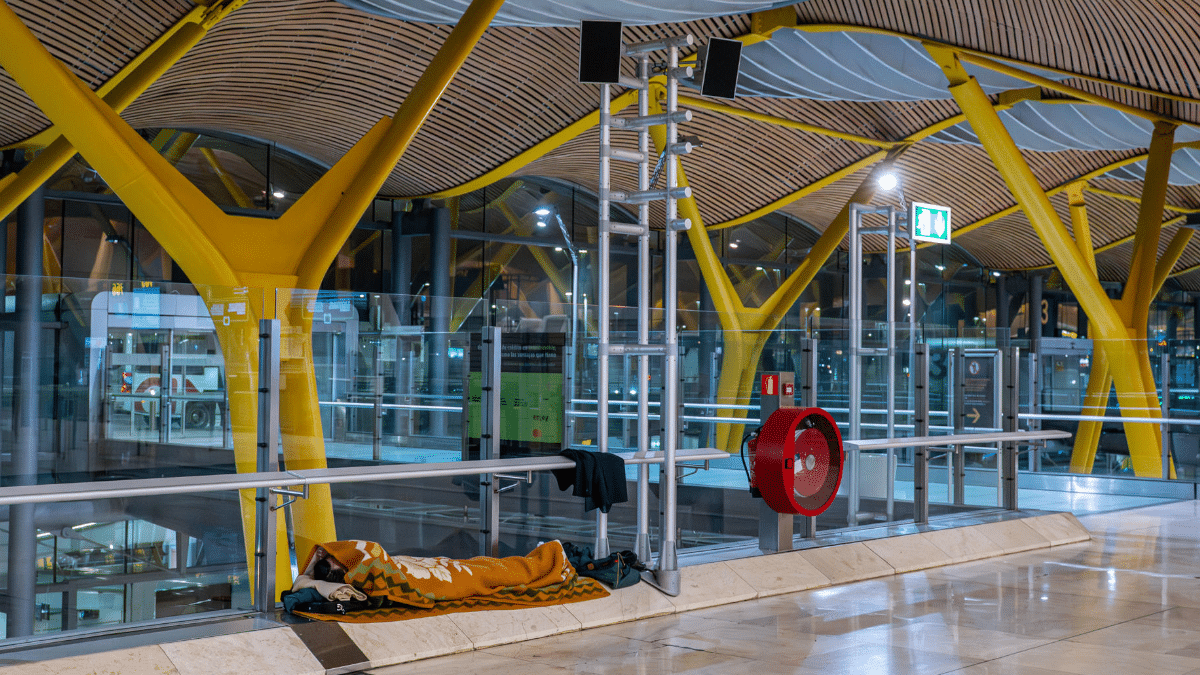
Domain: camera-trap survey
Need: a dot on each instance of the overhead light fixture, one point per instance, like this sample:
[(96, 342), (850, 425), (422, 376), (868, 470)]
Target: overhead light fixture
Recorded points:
[(279, 194), (558, 249), (542, 210), (940, 267), (541, 223), (995, 274), (888, 181)]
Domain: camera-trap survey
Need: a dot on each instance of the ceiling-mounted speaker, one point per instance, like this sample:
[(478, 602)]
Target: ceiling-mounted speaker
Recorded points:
[(718, 63), (600, 52)]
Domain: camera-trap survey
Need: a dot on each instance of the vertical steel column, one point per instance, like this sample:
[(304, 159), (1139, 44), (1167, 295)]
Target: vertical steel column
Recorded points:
[(440, 291), (377, 398), (921, 428), (489, 442), (164, 391), (22, 534), (268, 461), (855, 403), (890, 469), (1165, 378), (808, 399), (603, 298), (1012, 409), (642, 545), (402, 301), (666, 573), (956, 462)]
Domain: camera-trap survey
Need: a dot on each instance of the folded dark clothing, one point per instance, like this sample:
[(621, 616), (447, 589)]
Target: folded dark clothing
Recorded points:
[(303, 596), (598, 477)]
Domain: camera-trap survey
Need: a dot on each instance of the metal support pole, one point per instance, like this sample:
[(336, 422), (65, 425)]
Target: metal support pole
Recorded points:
[(440, 291), (642, 545), (890, 469), (402, 301), (268, 460), (666, 573), (808, 399), (22, 535), (855, 403), (164, 391), (956, 464), (1012, 410), (921, 428), (377, 401), (603, 302), (489, 443), (1165, 378)]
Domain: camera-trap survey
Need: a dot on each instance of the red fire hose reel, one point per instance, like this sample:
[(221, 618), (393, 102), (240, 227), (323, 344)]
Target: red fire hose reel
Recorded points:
[(796, 461)]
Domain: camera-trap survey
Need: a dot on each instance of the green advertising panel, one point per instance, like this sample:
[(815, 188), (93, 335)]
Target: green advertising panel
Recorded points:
[(531, 393)]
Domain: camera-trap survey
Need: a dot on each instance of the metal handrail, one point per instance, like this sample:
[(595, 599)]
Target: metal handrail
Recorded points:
[(141, 487)]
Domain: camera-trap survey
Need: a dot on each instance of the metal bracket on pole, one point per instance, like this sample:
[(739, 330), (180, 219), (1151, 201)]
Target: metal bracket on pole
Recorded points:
[(489, 443), (268, 461)]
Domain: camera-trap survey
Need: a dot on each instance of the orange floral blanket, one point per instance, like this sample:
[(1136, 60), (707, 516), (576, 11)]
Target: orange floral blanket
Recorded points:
[(406, 587)]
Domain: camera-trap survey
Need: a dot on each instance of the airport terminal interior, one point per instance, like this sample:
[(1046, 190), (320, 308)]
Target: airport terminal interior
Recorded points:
[(889, 308)]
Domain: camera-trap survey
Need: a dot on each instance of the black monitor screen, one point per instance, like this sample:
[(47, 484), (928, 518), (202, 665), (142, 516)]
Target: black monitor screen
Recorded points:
[(721, 66), (600, 52)]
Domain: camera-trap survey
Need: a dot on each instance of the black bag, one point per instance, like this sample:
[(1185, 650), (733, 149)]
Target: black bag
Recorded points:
[(616, 570), (332, 606)]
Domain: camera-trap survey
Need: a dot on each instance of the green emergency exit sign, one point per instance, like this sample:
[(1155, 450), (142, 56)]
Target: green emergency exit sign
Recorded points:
[(930, 222)]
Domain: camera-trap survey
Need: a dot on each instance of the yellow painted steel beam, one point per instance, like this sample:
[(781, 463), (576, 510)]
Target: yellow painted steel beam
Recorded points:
[(235, 191), (853, 28), (1094, 173), (537, 151), (1061, 88), (793, 287), (118, 92), (1132, 391), (1087, 433), (223, 251), (1137, 200), (705, 104), (1170, 257), (1137, 295), (342, 215)]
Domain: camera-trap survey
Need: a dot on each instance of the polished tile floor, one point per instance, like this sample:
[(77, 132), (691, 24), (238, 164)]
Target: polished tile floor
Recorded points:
[(1126, 603)]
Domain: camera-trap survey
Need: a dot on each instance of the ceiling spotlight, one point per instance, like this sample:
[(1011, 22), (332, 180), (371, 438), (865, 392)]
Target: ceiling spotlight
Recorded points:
[(733, 244), (888, 181), (542, 210), (541, 223), (279, 194), (906, 302), (558, 249), (940, 267), (995, 274)]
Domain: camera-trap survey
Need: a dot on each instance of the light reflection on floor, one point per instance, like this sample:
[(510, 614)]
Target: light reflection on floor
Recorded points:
[(1128, 602)]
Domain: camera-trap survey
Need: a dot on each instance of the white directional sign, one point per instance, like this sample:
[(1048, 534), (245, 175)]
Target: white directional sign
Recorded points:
[(930, 222)]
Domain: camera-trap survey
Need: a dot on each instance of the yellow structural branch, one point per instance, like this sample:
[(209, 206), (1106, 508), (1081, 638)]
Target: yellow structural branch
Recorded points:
[(218, 250), (1132, 391), (117, 93), (1137, 200)]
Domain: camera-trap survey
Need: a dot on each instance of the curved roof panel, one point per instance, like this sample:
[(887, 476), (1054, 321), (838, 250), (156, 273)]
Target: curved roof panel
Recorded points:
[(565, 13), (843, 66)]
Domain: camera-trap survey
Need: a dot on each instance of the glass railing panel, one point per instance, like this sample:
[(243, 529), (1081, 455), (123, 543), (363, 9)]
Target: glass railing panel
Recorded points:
[(109, 563)]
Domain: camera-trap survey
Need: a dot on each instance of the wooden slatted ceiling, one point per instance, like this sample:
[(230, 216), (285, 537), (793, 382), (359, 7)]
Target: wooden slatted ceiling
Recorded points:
[(313, 75), (94, 39), (1146, 43)]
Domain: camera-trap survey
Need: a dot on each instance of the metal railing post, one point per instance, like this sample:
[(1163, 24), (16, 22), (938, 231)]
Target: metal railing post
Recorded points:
[(489, 443), (1011, 410), (1165, 377), (164, 391), (377, 401), (921, 428), (855, 402), (956, 461), (268, 461), (808, 399)]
